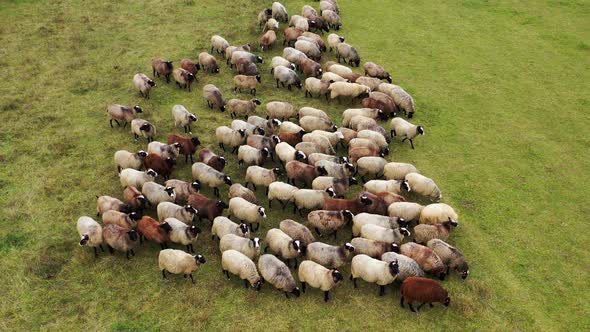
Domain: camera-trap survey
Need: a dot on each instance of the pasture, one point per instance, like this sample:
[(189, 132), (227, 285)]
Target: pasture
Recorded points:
[(501, 88)]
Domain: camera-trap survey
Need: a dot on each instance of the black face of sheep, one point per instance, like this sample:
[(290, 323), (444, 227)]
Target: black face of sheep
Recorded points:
[(257, 102), (221, 204), (151, 83), (196, 185), (244, 228), (447, 301), (152, 173), (382, 115), (268, 12), (344, 160), (196, 141), (420, 130), (442, 276), (242, 132), (349, 247), (132, 235), (393, 268), (331, 192), (365, 200), (277, 171), (261, 212), (259, 59), (337, 276), (299, 155), (264, 152), (256, 242), (126, 208), (222, 108), (276, 139), (260, 131), (349, 166), (405, 186), (169, 191), (257, 285), (142, 154), (227, 180), (347, 216), (191, 209), (194, 230), (166, 227), (200, 259), (353, 180), (322, 170), (170, 161), (395, 248), (296, 292), (145, 127), (259, 79), (137, 109), (134, 216), (192, 117), (404, 231), (296, 245), (84, 240)]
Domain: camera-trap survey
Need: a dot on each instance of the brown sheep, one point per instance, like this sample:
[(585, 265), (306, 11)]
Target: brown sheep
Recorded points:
[(374, 70), (162, 166), (428, 260), (247, 67), (213, 96), (134, 198), (207, 208), (311, 68), (292, 138), (246, 82), (297, 170), (267, 40), (161, 67), (355, 154), (190, 66), (417, 289), (355, 205), (152, 230), (381, 101), (183, 78), (209, 157), (188, 146), (208, 62), (378, 206), (291, 35)]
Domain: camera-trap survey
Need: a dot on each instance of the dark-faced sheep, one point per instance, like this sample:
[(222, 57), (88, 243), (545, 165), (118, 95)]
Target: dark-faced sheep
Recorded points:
[(188, 145), (190, 66), (210, 158), (122, 113), (213, 96), (144, 84), (183, 78), (416, 289), (161, 67), (208, 62)]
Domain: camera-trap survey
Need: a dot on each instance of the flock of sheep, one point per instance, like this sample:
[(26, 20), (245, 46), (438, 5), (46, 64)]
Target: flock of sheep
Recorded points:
[(304, 153)]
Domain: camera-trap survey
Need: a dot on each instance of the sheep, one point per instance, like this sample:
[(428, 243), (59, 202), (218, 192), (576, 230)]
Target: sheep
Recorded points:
[(355, 205), (237, 190), (311, 123), (343, 89), (123, 113), (378, 204), (134, 198), (382, 234), (424, 186), (290, 127), (232, 138), (398, 171), (334, 40), (179, 262), (372, 248), (133, 178), (163, 167), (152, 230), (280, 61), (333, 137), (185, 213), (356, 153), (263, 16), (290, 35), (452, 257), (374, 136), (394, 186), (223, 226), (190, 66), (310, 49), (161, 67), (292, 138), (317, 86), (106, 203), (321, 143), (263, 142), (120, 238), (271, 25), (311, 199), (280, 110), (308, 12), (279, 12), (277, 273), (238, 107), (437, 214), (297, 170), (183, 118), (261, 176), (341, 186), (286, 77), (206, 208), (246, 82), (182, 233), (244, 55), (402, 128), (208, 176), (246, 211), (403, 100), (270, 126), (316, 38), (183, 78), (333, 257), (327, 159), (219, 44), (297, 231), (407, 266), (424, 232), (362, 219), (234, 262), (286, 153), (208, 62), (164, 150), (282, 192), (310, 148), (374, 271), (329, 5), (140, 127), (348, 135), (366, 143), (428, 260), (340, 70), (249, 129), (125, 159), (318, 276), (183, 189), (372, 166), (252, 156), (406, 210), (380, 100), (328, 222), (371, 82), (389, 198), (332, 77), (299, 22), (231, 49), (144, 84), (372, 113), (245, 67), (336, 170), (213, 96), (374, 70), (416, 289), (187, 145), (207, 156), (126, 220), (361, 122), (348, 53), (248, 247), (268, 39), (90, 233), (156, 193), (332, 18), (282, 245)]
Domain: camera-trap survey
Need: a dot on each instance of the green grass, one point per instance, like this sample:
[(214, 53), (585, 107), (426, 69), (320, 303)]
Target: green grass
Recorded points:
[(501, 88)]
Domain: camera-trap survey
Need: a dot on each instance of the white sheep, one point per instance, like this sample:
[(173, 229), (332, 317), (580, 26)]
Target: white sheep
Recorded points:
[(183, 189), (126, 159), (140, 127), (372, 113), (374, 271), (317, 86), (183, 118), (289, 127), (234, 262), (344, 89), (321, 142), (179, 262), (370, 166), (277, 273), (408, 211), (133, 178), (219, 44), (334, 40), (364, 218), (283, 192), (282, 245), (332, 78), (280, 61), (402, 128), (227, 136), (424, 186), (425, 232), (248, 247), (164, 150), (330, 256), (318, 276), (246, 211), (261, 176), (311, 199), (398, 171), (182, 233), (252, 156), (210, 177), (328, 222), (156, 193), (297, 231), (185, 213), (437, 214), (311, 123), (371, 247), (223, 226), (304, 111), (452, 257), (407, 266), (90, 233), (374, 136), (144, 84), (402, 99), (286, 153), (393, 186), (382, 234), (280, 110)]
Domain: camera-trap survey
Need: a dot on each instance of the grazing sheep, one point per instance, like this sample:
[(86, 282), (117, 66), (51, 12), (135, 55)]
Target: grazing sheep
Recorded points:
[(245, 67), (286, 77), (332, 77), (123, 113), (163, 166), (311, 199), (309, 148), (90, 233), (263, 16), (182, 233), (362, 219), (210, 158), (317, 86), (353, 90), (252, 156), (424, 232), (311, 123), (372, 248), (223, 226), (179, 262), (328, 222), (406, 210), (403, 100), (186, 213), (341, 186), (318, 276), (394, 186), (332, 18), (246, 212), (213, 96), (187, 145), (219, 44), (282, 245), (292, 138), (190, 66), (398, 171), (234, 262), (237, 190), (424, 186), (134, 198), (248, 57), (314, 158), (407, 266), (238, 107), (279, 12), (183, 189), (125, 220), (282, 192), (269, 126), (152, 230), (133, 178), (308, 12), (272, 25), (208, 62), (268, 39), (371, 82), (183, 78), (416, 289), (426, 258), (310, 49), (280, 61), (374, 136), (360, 122), (249, 129), (382, 234), (380, 100), (437, 214), (290, 35), (163, 150), (390, 198), (297, 170), (402, 128), (286, 153), (336, 170), (290, 127), (333, 257), (297, 231), (373, 113), (183, 118), (355, 205), (299, 22), (356, 153), (277, 273), (248, 247), (161, 67), (246, 82), (340, 70), (451, 256), (156, 193), (370, 166), (349, 54), (144, 84), (231, 49), (126, 159), (120, 238), (374, 271), (334, 40), (261, 176), (280, 110), (140, 127), (232, 138), (329, 5), (322, 143), (106, 203), (378, 204), (333, 137), (374, 70), (210, 177), (348, 135)]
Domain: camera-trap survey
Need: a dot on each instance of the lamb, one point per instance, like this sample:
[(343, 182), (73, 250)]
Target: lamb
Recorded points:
[(403, 100), (317, 86), (106, 203), (234, 262), (348, 135), (297, 170), (271, 25), (394, 186), (183, 118), (208, 62), (134, 198), (140, 127), (334, 40), (207, 175), (280, 61), (248, 247), (246, 211), (90, 233), (277, 274), (336, 170), (355, 205), (362, 219), (219, 44), (186, 213), (291, 35), (261, 176), (286, 77), (416, 289), (252, 156), (183, 78), (126, 159), (213, 96), (279, 12), (152, 230), (333, 77), (120, 238), (380, 100), (343, 89), (297, 231), (372, 248), (263, 16), (398, 171), (163, 167), (232, 138), (451, 256), (190, 66), (144, 84), (182, 233), (424, 186), (133, 178), (341, 186), (280, 110), (310, 49), (371, 82), (156, 193), (123, 113), (237, 190), (210, 158), (286, 153), (311, 123), (311, 199), (374, 70), (382, 234), (250, 129), (282, 192), (374, 271), (356, 153), (424, 232), (437, 214), (333, 257), (246, 82), (183, 189), (161, 67), (328, 222), (318, 276), (290, 127), (402, 128), (407, 266), (348, 53), (239, 107), (426, 258), (223, 226), (372, 166), (332, 18), (187, 145), (282, 245), (179, 262)]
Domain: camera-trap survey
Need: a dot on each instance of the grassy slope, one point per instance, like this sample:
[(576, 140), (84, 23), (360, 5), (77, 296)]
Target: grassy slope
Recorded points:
[(501, 89)]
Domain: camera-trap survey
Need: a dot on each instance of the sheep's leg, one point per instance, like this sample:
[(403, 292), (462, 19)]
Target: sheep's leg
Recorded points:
[(208, 104), (354, 282), (110, 249), (411, 307), (162, 246), (266, 191), (191, 276), (188, 248), (294, 208), (289, 87), (221, 146), (431, 305), (164, 273), (101, 248), (303, 286), (412, 143), (226, 273), (234, 149), (326, 296), (95, 252), (191, 157), (257, 227), (269, 203), (401, 301), (127, 254), (277, 83), (287, 294), (111, 122), (334, 234), (420, 306), (216, 192), (317, 230), (283, 204), (295, 266), (288, 262), (381, 290), (253, 92), (393, 133), (246, 284)]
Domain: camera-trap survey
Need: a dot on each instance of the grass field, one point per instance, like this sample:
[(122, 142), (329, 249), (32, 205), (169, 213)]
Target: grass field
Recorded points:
[(501, 88)]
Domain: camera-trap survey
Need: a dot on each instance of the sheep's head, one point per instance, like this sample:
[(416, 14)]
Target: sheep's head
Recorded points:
[(142, 154), (296, 292), (395, 248), (447, 301), (255, 242), (275, 139), (292, 66), (133, 235), (169, 65), (222, 161), (200, 259), (277, 171), (169, 191), (227, 180), (197, 67), (125, 208), (190, 209), (264, 152), (170, 161), (352, 180), (349, 247), (221, 204), (465, 273), (404, 231), (261, 212), (321, 170), (393, 268), (365, 200), (453, 223), (256, 101), (137, 109), (242, 132), (192, 117), (257, 285), (259, 59), (151, 173), (349, 166), (405, 186), (331, 192), (84, 240), (336, 276), (145, 127), (166, 227), (299, 155), (389, 79), (347, 214), (222, 108), (296, 245), (259, 79), (196, 185), (134, 216), (151, 83), (420, 130), (244, 229), (268, 12), (194, 230), (190, 77)]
